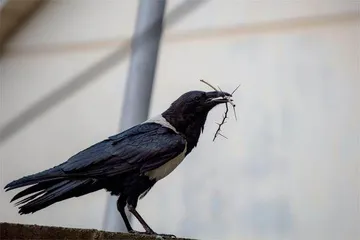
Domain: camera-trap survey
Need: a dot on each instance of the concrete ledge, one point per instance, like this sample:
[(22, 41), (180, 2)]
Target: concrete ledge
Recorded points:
[(21, 231)]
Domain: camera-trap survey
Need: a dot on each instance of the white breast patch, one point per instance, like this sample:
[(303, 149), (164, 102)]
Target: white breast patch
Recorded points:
[(165, 169), (168, 167)]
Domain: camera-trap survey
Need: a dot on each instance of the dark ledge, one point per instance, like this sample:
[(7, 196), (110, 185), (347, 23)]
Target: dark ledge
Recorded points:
[(21, 231)]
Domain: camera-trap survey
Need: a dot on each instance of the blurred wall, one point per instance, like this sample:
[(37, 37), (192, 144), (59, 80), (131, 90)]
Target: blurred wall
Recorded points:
[(290, 168)]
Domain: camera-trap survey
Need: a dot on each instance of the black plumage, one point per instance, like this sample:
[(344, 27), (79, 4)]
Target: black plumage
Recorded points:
[(127, 164)]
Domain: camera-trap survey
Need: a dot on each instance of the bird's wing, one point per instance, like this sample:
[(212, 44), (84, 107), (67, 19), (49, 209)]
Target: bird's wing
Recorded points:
[(141, 148)]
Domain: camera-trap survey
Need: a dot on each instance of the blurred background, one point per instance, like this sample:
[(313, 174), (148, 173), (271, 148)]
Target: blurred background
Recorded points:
[(290, 168)]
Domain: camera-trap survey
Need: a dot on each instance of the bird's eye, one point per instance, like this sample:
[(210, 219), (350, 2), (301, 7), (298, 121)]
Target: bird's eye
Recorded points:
[(197, 98)]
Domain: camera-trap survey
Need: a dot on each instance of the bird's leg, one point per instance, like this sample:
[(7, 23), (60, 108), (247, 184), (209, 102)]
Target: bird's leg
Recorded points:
[(121, 203), (145, 225), (140, 219)]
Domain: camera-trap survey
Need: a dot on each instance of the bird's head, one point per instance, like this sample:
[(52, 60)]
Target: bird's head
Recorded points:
[(198, 103), (192, 108)]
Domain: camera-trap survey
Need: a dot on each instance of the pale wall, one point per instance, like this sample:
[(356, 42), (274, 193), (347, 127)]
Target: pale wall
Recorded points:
[(290, 168)]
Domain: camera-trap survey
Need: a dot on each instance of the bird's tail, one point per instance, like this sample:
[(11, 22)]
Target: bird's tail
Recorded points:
[(48, 189)]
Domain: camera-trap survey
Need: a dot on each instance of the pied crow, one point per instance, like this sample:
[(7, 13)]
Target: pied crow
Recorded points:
[(127, 164)]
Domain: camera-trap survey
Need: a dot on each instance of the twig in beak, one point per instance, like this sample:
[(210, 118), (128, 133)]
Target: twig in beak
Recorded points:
[(222, 123), (235, 89), (230, 101), (201, 80), (222, 135), (232, 104), (234, 112)]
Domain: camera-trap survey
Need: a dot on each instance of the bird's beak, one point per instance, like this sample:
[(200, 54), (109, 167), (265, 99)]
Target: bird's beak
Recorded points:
[(217, 97)]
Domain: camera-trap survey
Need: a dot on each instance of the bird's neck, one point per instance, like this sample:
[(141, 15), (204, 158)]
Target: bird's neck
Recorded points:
[(187, 125)]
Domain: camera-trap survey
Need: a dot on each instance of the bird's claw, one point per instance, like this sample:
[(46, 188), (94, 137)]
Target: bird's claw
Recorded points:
[(162, 236), (140, 233), (166, 235)]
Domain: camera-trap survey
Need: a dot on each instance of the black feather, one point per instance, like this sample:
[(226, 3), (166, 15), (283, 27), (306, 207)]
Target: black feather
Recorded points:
[(58, 192), (137, 150)]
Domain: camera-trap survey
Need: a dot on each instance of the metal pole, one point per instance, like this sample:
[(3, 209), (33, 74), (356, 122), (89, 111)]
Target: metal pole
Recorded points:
[(145, 45)]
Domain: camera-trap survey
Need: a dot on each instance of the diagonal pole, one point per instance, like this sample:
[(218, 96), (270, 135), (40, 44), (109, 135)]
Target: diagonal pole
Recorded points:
[(86, 77)]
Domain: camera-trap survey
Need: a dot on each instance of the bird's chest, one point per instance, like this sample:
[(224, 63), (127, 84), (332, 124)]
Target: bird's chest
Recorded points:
[(165, 169)]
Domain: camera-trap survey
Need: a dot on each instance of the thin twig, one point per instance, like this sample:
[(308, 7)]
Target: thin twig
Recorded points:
[(227, 108), (222, 135), (234, 112), (201, 80), (235, 89), (233, 105), (222, 123), (230, 101)]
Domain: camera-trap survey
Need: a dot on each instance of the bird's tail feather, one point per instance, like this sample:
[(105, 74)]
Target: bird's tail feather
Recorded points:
[(46, 193), (49, 175)]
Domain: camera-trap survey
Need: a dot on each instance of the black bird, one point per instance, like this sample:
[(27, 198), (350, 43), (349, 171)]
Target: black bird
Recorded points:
[(127, 164)]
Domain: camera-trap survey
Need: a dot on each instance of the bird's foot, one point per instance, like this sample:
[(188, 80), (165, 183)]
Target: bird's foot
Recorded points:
[(162, 236), (167, 236), (148, 232), (138, 232)]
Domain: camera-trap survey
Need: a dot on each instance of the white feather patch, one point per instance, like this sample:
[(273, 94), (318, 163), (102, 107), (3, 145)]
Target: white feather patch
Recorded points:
[(161, 120), (168, 167), (165, 169)]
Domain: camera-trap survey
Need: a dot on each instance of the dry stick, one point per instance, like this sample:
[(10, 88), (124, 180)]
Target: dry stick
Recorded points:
[(226, 111), (235, 89), (222, 123), (201, 80), (233, 105), (234, 112), (224, 117), (230, 101)]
